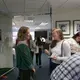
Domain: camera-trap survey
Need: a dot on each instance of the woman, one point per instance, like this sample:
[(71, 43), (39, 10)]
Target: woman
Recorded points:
[(60, 49), (32, 46), (23, 55), (75, 43), (38, 55)]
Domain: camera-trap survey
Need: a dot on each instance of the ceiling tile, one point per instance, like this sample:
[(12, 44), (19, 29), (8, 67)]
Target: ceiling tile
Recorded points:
[(57, 3), (34, 4), (3, 7), (15, 5), (71, 4)]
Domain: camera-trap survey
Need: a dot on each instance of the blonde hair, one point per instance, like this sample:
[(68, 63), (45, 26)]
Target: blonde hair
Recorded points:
[(59, 32), (22, 33)]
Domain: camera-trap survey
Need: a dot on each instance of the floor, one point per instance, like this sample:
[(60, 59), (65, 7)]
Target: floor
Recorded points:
[(41, 73)]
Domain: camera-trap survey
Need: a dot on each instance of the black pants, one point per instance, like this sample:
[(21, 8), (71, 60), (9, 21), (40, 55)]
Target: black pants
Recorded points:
[(32, 54), (24, 74), (52, 66), (38, 57)]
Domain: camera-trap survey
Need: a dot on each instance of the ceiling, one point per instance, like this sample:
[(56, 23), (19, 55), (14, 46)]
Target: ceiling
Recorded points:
[(32, 7), (24, 9), (68, 5)]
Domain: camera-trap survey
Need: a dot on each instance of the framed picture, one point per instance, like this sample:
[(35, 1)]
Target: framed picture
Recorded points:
[(76, 26), (64, 26)]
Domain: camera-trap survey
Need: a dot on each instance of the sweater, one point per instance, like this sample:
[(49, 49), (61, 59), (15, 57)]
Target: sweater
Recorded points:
[(23, 56), (74, 45), (56, 51)]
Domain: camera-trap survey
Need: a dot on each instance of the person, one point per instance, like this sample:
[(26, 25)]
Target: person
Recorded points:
[(68, 70), (32, 46), (39, 52), (23, 55), (75, 43), (60, 49)]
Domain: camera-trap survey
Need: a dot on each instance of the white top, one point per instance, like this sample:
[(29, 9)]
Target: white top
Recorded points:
[(56, 51), (74, 45)]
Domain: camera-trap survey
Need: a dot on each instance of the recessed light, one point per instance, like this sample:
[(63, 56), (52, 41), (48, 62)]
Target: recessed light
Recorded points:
[(43, 24), (28, 20), (37, 28)]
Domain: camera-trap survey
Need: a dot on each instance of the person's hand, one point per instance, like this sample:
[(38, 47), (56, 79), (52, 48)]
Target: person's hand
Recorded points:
[(54, 57), (74, 48), (33, 69), (46, 51)]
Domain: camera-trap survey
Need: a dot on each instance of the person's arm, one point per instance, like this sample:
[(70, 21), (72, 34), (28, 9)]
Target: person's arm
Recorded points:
[(66, 51), (47, 52)]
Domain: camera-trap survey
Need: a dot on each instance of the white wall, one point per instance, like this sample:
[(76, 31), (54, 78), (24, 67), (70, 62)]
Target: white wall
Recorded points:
[(6, 57), (64, 14)]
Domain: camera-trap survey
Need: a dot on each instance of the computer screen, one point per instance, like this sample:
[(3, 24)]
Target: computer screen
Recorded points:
[(41, 34)]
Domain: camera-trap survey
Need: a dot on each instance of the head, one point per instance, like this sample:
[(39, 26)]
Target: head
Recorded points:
[(23, 33), (76, 37), (57, 34)]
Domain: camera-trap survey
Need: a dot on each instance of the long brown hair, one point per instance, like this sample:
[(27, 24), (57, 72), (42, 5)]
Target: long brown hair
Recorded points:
[(59, 32), (21, 36), (75, 36)]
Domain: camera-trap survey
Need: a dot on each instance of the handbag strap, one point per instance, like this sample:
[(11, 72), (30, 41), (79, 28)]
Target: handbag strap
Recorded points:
[(62, 54)]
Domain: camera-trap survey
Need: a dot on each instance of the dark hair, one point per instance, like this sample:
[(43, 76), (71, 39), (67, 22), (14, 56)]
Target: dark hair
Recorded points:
[(38, 42), (53, 43), (76, 35)]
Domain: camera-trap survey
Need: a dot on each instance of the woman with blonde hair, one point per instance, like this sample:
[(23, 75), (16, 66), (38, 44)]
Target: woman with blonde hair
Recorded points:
[(60, 49), (23, 55)]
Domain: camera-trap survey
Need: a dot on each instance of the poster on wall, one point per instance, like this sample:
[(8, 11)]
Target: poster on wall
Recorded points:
[(76, 26), (64, 26)]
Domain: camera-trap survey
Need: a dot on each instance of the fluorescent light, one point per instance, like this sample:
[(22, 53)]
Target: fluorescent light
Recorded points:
[(28, 20), (37, 28), (43, 24)]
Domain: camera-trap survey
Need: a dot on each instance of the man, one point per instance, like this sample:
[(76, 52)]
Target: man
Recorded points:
[(68, 70)]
